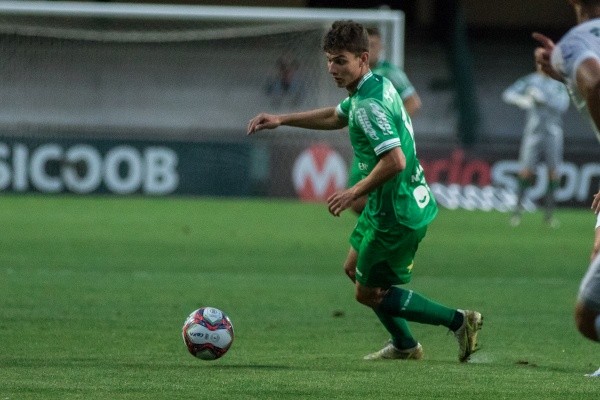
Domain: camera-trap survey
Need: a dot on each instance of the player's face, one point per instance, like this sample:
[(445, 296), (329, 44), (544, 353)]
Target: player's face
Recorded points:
[(346, 68)]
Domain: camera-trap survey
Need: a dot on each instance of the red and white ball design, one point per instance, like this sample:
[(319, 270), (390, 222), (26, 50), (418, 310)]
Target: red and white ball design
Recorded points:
[(208, 333)]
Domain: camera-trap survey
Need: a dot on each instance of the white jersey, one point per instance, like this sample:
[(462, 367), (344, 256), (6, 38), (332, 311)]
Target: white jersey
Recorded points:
[(545, 100), (579, 44)]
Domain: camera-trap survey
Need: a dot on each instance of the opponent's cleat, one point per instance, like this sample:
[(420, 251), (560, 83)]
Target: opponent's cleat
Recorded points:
[(594, 374), (552, 223), (390, 352), (467, 334), (515, 221)]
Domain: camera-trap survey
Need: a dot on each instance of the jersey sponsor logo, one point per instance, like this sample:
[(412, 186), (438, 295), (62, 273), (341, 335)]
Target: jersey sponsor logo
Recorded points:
[(318, 172), (363, 120), (422, 196), (381, 119)]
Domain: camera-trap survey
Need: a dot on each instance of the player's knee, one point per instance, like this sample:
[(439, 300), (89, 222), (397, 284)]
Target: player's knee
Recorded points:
[(370, 297), (365, 299), (586, 321)]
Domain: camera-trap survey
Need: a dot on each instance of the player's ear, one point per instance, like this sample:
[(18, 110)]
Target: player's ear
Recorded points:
[(364, 59)]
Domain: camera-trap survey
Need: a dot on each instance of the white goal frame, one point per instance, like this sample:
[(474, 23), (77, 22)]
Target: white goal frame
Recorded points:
[(392, 27)]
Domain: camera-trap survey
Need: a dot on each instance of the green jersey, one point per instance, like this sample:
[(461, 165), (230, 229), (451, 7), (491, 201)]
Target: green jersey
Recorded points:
[(396, 76), (377, 123)]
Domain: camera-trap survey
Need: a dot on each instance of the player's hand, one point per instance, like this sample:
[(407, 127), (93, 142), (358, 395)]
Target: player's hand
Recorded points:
[(596, 203), (536, 94), (339, 201), (543, 53), (596, 247), (262, 121)]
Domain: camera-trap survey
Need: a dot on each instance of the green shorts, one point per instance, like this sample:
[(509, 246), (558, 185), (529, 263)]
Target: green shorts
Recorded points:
[(384, 258)]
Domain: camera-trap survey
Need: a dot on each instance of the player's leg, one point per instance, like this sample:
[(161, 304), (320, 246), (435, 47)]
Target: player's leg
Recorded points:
[(553, 155), (587, 309), (385, 260), (528, 157), (402, 341)]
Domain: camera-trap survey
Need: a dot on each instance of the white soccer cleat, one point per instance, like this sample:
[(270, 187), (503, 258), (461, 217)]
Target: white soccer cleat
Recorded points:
[(594, 374), (390, 352), (467, 334)]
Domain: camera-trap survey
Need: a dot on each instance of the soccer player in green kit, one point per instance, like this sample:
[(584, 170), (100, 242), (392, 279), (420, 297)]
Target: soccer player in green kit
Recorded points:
[(400, 205), (407, 92)]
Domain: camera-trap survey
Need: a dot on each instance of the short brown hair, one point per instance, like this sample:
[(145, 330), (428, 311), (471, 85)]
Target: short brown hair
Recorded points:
[(346, 36)]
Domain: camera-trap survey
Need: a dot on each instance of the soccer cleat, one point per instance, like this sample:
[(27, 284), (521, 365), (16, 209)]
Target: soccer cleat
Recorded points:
[(552, 223), (594, 374), (515, 220), (467, 334), (390, 352)]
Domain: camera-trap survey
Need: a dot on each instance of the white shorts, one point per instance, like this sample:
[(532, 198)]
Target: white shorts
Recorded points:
[(545, 146), (589, 291)]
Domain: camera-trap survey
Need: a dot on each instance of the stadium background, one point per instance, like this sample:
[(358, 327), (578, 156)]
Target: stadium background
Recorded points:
[(459, 55)]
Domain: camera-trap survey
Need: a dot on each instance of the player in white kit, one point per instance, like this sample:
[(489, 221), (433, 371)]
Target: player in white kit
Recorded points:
[(545, 100), (575, 60)]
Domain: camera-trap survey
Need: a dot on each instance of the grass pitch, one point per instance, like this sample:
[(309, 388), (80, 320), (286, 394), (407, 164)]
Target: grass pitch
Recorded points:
[(93, 293)]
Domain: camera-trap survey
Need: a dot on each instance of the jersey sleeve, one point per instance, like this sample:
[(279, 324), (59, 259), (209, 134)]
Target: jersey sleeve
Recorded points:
[(516, 94), (343, 109), (570, 52), (376, 122)]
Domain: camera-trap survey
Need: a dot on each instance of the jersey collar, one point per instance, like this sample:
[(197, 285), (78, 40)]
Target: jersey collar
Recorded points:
[(363, 80)]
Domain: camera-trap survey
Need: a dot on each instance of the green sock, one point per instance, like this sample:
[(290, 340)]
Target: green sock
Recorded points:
[(412, 306), (550, 202), (402, 338), (523, 185)]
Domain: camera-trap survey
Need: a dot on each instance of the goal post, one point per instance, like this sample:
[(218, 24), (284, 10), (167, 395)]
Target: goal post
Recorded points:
[(179, 69)]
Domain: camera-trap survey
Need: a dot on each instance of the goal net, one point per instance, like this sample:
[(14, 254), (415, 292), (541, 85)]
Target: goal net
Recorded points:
[(131, 69)]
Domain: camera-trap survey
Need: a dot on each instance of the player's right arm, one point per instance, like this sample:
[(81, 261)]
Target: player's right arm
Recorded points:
[(588, 83), (322, 119), (542, 55)]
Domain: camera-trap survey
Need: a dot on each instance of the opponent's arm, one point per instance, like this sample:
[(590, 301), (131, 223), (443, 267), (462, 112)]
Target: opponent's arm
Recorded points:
[(542, 56), (596, 209), (390, 164), (412, 104), (321, 118), (588, 83)]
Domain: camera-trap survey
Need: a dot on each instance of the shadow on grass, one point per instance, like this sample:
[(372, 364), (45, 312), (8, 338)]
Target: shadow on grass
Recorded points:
[(97, 362)]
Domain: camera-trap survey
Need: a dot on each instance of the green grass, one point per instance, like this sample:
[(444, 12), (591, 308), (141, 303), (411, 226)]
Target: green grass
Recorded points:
[(93, 293)]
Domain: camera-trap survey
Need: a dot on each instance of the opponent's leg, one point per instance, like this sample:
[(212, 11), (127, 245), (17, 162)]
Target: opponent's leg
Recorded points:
[(550, 204)]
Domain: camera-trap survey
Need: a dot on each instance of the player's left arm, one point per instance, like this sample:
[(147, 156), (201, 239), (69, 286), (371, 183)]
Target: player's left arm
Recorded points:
[(390, 163), (588, 83), (412, 104)]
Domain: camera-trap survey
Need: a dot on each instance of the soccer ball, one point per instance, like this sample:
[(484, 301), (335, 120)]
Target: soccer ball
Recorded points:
[(207, 333)]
